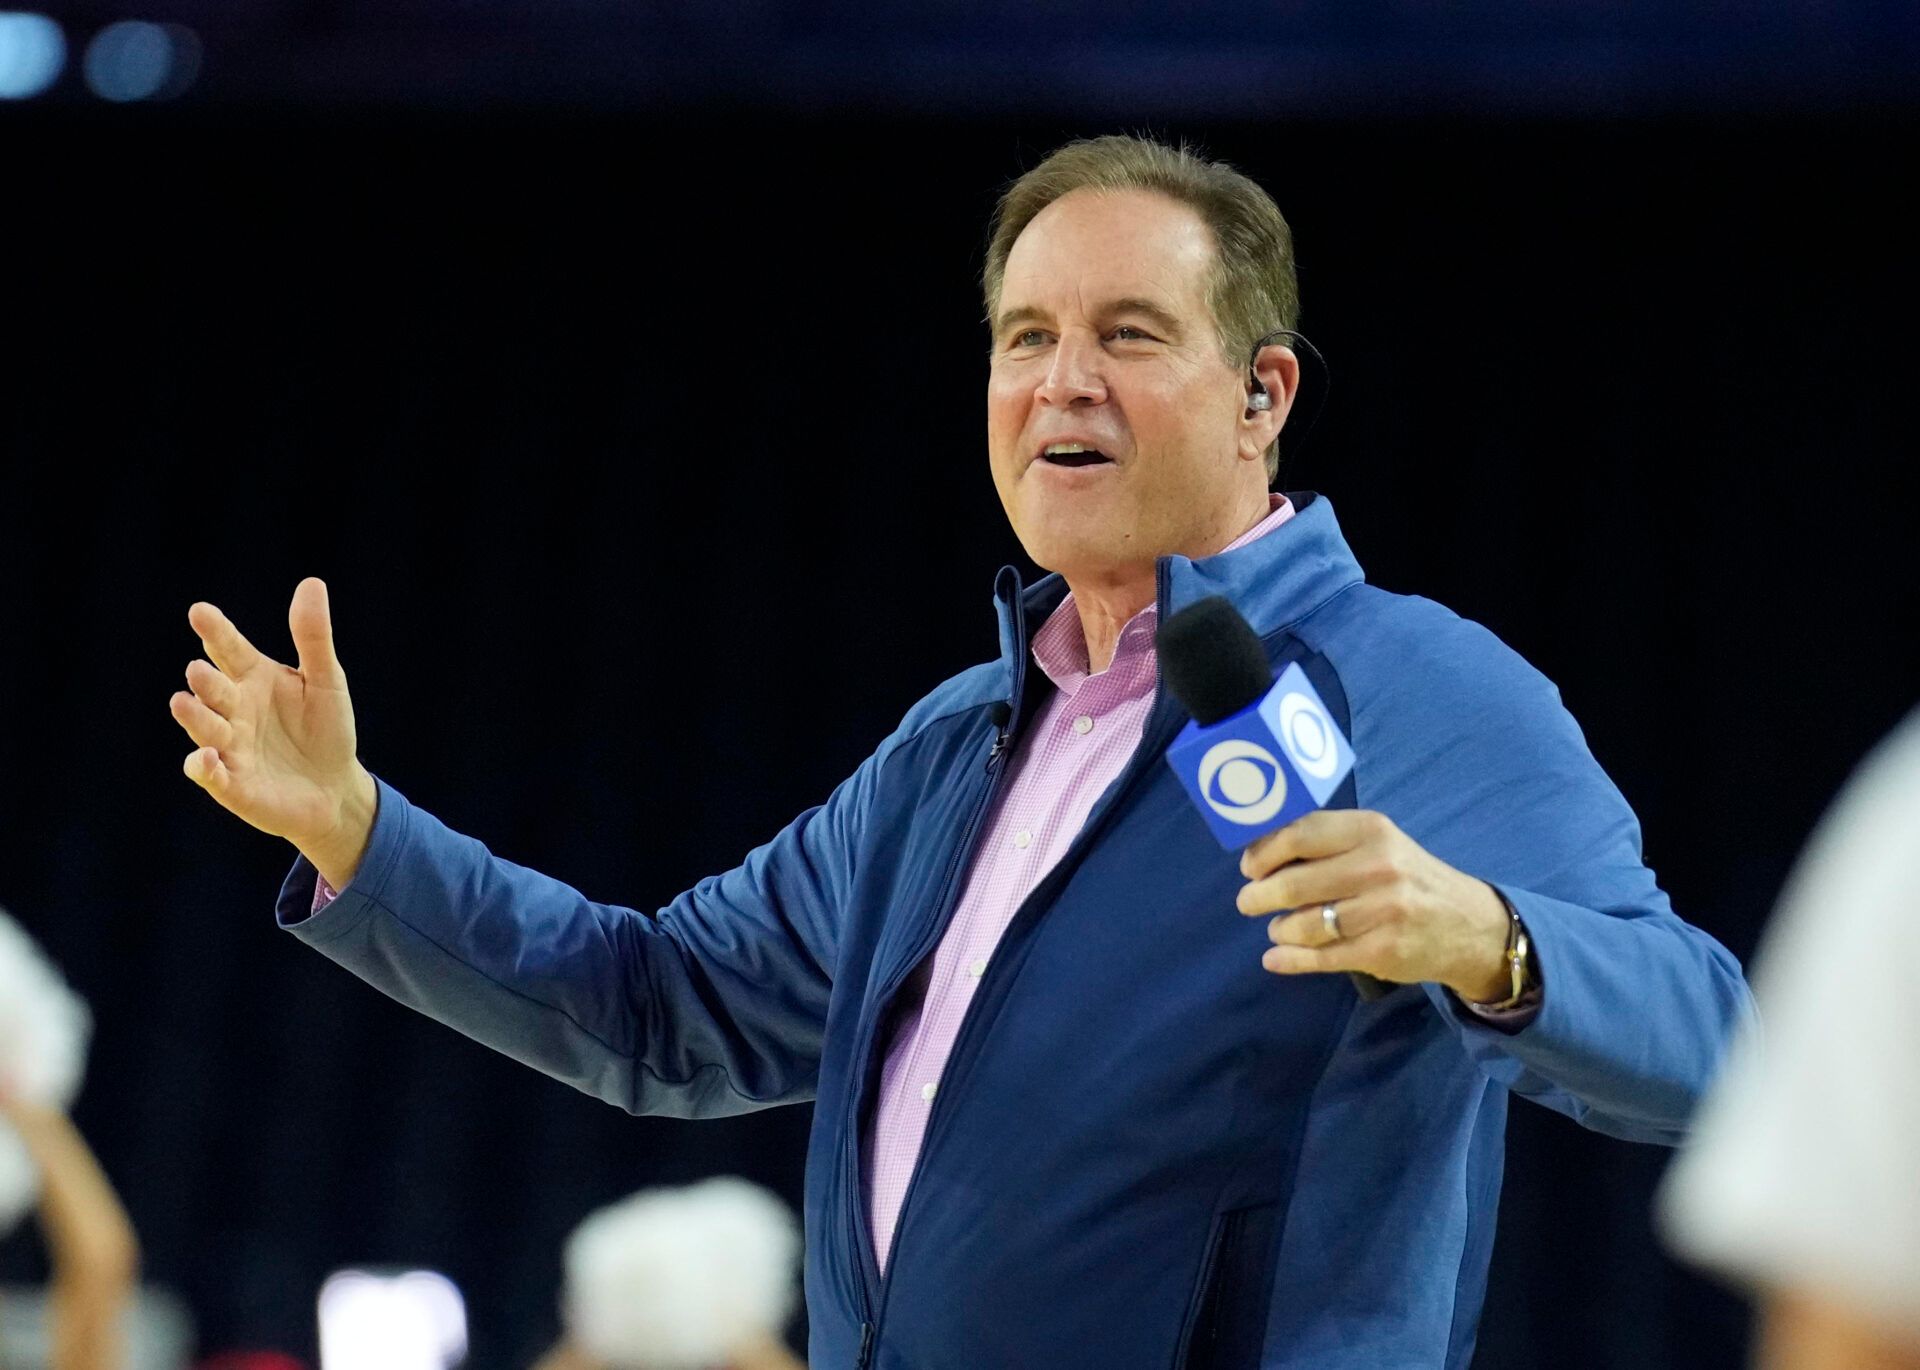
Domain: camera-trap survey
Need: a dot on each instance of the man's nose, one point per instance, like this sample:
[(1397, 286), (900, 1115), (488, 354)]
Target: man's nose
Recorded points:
[(1075, 375)]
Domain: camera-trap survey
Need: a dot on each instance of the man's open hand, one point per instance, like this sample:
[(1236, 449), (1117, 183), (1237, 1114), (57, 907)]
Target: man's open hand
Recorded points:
[(1404, 914), (275, 743)]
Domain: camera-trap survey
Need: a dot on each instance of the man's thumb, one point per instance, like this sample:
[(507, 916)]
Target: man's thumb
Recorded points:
[(311, 622)]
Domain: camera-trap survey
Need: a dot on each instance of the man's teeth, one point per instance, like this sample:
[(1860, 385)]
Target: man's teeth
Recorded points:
[(1060, 448)]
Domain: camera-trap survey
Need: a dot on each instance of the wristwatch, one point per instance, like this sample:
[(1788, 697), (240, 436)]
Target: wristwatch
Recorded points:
[(1519, 961)]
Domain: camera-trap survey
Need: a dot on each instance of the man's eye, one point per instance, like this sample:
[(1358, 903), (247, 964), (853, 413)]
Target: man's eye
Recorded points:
[(1126, 332), (1029, 337)]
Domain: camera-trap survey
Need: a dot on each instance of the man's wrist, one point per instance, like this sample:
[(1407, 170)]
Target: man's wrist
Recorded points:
[(1519, 992), (1489, 978), (1494, 990), (338, 856)]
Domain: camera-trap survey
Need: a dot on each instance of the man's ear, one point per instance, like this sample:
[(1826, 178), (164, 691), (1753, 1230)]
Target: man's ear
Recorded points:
[(1276, 373)]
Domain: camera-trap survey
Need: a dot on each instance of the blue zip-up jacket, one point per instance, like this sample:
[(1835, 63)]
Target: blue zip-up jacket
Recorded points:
[(1146, 1150)]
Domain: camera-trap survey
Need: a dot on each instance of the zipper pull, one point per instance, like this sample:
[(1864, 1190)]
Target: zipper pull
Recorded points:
[(866, 1344), (1002, 715)]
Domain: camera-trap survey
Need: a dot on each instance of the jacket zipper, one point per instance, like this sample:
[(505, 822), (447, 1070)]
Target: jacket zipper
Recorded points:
[(1197, 1311), (861, 1245), (1154, 739)]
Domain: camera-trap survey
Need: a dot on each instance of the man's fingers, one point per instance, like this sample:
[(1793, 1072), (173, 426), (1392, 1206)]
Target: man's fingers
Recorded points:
[(1324, 832), (1348, 954), (1308, 927), (1305, 929), (205, 769), (203, 725), (310, 619), (211, 688), (1301, 883), (226, 647)]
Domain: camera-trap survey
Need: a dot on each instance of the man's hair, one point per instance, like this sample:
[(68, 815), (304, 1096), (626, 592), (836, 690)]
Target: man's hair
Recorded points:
[(1252, 290)]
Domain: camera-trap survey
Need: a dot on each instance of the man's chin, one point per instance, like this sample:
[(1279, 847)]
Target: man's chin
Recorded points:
[(1083, 535), (1087, 558)]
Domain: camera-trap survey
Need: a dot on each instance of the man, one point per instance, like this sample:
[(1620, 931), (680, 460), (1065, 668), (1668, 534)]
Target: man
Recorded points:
[(1070, 1110), (1802, 1181)]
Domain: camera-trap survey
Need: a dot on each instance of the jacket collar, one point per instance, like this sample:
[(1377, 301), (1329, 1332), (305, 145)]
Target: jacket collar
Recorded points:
[(1274, 581)]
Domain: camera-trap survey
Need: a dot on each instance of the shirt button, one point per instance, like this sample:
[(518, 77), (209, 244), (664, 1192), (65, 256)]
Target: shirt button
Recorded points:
[(1022, 839), (927, 1091), (1083, 725), (977, 969)]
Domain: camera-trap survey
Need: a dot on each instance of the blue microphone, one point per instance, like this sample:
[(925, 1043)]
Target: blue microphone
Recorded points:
[(1259, 752)]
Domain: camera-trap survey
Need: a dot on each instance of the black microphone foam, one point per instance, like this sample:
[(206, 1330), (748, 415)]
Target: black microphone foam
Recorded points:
[(1212, 660)]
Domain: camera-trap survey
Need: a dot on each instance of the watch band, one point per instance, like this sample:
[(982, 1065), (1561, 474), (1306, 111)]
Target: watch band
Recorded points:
[(1519, 960)]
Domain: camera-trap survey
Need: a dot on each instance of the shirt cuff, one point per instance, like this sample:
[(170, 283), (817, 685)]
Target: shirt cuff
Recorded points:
[(1512, 1016), (323, 894)]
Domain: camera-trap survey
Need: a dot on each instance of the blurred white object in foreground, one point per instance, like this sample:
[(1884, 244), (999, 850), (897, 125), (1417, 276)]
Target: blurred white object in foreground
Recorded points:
[(1804, 1170), (391, 1320), (679, 1279), (44, 1027)]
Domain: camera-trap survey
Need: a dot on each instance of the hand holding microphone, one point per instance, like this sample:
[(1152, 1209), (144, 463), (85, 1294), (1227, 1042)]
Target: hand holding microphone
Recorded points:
[(1260, 759)]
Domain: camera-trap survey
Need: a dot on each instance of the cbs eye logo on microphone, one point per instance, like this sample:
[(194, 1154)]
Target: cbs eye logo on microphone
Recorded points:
[(1261, 768)]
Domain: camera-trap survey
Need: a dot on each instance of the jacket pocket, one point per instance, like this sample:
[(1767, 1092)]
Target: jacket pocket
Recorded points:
[(1234, 1292)]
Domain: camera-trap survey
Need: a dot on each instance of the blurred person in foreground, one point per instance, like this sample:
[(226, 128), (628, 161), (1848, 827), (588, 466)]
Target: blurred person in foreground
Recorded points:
[(1803, 1181), (1087, 1091), (93, 1256), (698, 1278)]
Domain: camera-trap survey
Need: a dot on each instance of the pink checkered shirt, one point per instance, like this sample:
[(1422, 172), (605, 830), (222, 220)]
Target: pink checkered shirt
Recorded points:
[(1075, 747)]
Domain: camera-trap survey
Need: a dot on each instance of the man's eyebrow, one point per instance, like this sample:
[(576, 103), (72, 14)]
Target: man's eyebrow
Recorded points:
[(1024, 314), (1158, 315)]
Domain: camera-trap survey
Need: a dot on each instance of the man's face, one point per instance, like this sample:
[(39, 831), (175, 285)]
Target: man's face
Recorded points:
[(1104, 339)]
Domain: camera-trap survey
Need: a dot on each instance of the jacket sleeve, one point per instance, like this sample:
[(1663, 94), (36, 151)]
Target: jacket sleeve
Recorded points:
[(714, 1005), (1638, 1006)]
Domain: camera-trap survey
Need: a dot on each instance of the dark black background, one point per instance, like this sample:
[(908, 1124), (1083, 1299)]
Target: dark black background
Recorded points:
[(643, 456)]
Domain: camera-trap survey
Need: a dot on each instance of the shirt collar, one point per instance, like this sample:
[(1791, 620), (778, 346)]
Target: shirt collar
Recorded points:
[(1060, 644)]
